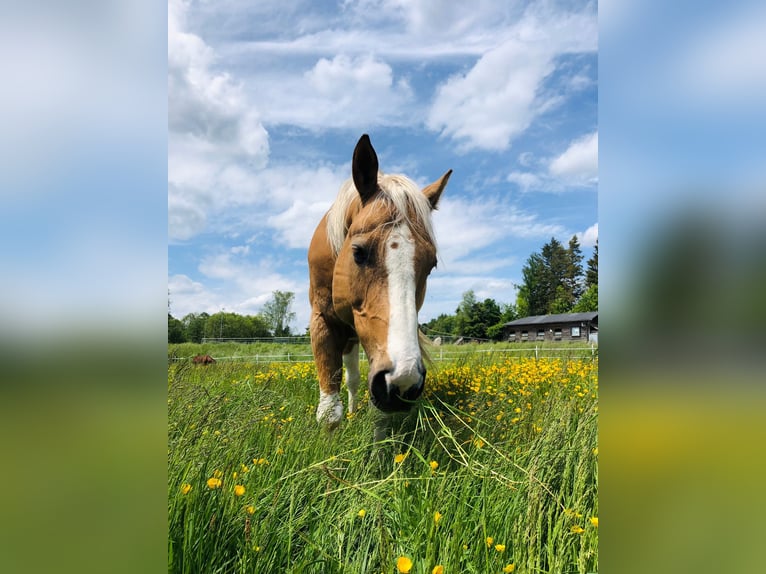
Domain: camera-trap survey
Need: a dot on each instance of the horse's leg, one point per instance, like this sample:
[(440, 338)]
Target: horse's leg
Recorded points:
[(351, 362), (328, 349)]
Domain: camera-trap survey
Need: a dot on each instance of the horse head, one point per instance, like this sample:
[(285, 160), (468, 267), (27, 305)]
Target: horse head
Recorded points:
[(385, 254)]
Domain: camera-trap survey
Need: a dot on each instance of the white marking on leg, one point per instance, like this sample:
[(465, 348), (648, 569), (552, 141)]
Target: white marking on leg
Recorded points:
[(403, 346), (330, 408), (351, 362)]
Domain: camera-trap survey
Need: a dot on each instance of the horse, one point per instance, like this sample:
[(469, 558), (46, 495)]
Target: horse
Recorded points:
[(203, 360), (369, 259)]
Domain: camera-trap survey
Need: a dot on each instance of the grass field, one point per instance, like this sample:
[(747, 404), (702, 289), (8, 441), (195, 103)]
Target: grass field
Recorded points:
[(495, 471)]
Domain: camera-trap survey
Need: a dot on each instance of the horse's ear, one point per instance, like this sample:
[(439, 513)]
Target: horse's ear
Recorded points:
[(364, 168), (434, 190)]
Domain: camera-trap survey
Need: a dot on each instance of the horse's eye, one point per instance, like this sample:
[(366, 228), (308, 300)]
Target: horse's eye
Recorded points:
[(361, 255)]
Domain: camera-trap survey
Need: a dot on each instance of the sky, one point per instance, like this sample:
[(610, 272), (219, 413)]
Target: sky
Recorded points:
[(266, 101)]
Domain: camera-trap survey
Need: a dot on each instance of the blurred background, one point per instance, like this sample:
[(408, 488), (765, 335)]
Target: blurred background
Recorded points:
[(84, 285)]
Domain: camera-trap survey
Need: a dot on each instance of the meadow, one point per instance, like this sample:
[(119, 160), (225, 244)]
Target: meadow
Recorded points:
[(496, 470)]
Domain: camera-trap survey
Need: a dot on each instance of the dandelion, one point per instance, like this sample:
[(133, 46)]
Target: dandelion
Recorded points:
[(438, 569), (434, 465), (490, 540), (594, 521), (185, 488), (509, 567), (577, 529), (213, 482), (437, 517), (250, 509), (403, 564), (500, 547), (361, 513), (239, 490), (399, 458)]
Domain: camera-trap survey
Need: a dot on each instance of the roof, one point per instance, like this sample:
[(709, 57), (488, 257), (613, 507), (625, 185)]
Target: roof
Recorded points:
[(549, 319)]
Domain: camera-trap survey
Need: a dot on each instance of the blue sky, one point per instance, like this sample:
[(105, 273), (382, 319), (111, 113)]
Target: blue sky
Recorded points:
[(266, 101)]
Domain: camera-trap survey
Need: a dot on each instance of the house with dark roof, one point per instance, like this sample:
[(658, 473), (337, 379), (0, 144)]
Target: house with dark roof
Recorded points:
[(561, 327)]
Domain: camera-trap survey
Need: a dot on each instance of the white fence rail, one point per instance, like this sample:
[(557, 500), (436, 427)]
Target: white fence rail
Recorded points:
[(590, 352)]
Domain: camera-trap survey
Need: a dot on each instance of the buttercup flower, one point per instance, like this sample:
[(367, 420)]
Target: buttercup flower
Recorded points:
[(577, 529), (490, 540), (213, 482), (185, 488), (437, 516), (399, 458), (403, 564), (438, 569), (509, 567), (239, 490), (361, 513), (594, 521), (250, 509), (500, 547), (433, 464)]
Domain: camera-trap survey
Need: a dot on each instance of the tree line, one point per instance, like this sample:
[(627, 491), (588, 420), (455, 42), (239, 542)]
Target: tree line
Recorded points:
[(273, 321), (553, 281)]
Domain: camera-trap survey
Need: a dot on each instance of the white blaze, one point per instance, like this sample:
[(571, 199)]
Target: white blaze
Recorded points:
[(403, 347)]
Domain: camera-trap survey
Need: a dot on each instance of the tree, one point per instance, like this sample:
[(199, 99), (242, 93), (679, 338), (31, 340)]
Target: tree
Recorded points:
[(573, 282), (588, 301), (194, 323), (552, 279), (591, 275), (277, 312), (176, 332)]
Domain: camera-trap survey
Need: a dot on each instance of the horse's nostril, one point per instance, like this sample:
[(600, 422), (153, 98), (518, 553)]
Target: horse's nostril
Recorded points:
[(379, 387)]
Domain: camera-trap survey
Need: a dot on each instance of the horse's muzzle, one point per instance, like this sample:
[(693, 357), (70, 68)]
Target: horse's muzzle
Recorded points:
[(387, 396)]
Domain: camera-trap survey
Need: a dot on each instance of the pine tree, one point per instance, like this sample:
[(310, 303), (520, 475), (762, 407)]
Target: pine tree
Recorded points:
[(591, 275)]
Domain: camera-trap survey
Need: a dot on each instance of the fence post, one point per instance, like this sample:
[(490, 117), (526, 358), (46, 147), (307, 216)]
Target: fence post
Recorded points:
[(535, 352)]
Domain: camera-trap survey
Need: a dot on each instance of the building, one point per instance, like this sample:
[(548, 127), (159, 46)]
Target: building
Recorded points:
[(562, 327)]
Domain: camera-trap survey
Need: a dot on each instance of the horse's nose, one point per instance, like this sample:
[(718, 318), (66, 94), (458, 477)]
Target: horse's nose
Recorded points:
[(387, 396)]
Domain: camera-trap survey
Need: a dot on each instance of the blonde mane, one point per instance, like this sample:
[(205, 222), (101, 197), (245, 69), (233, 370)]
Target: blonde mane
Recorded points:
[(399, 191)]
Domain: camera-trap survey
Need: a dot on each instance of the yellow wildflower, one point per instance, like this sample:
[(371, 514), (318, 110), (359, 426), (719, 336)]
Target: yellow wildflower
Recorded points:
[(239, 490), (399, 458), (500, 547), (213, 482), (250, 509), (509, 567), (437, 516), (403, 564), (490, 540), (433, 464), (438, 569), (577, 529), (185, 488), (361, 513), (478, 443), (594, 521), (217, 474)]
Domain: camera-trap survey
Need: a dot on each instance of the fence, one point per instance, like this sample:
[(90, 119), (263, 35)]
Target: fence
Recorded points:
[(590, 352)]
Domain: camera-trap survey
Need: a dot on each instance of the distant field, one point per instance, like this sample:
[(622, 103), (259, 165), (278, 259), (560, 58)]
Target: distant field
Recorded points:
[(495, 471)]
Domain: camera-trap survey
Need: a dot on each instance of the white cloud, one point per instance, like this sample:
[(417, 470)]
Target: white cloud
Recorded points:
[(579, 163), (296, 225), (464, 227), (589, 237), (345, 91), (211, 128), (498, 99)]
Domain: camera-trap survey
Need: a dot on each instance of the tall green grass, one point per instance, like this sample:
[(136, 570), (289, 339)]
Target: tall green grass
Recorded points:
[(529, 486)]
